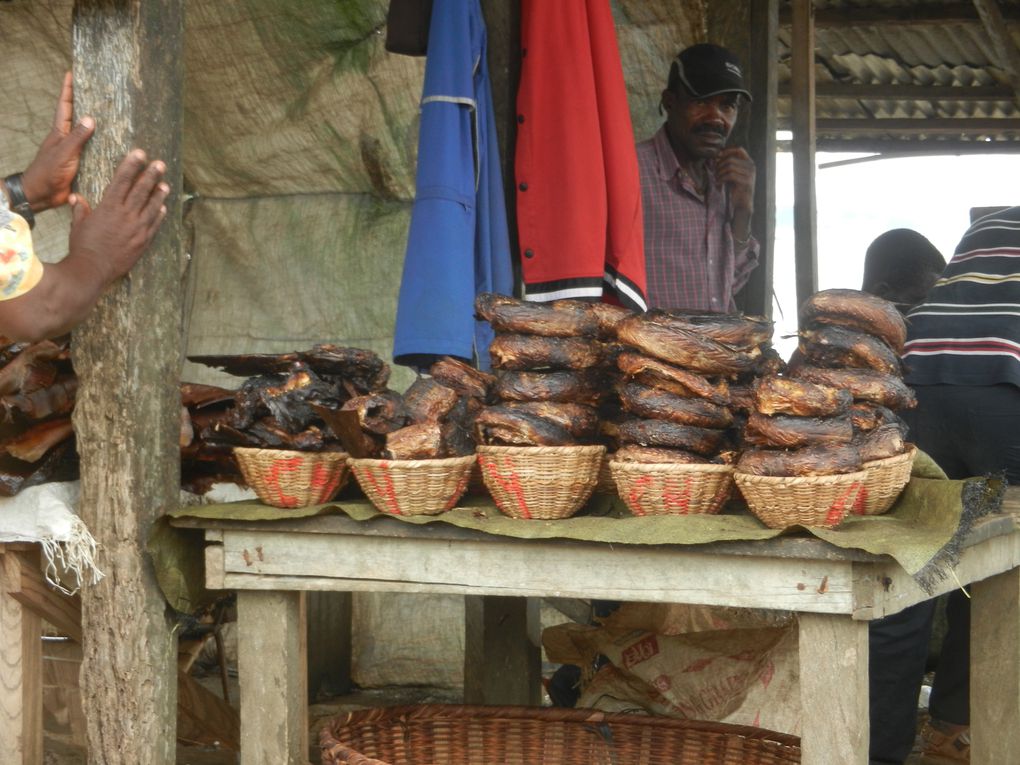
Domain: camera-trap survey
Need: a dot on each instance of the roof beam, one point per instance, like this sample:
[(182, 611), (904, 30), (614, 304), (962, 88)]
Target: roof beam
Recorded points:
[(893, 92), (890, 147), (913, 126), (1002, 42), (953, 13)]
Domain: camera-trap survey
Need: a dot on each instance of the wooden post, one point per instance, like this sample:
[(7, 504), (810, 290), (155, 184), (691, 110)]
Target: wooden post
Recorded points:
[(751, 30), (128, 65), (995, 669), (21, 707), (833, 689), (802, 91), (271, 659), (502, 661)]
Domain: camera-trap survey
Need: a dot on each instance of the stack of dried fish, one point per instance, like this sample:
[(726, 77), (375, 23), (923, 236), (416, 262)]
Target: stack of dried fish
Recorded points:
[(677, 382), (834, 410), (441, 409), (282, 403), (551, 377), (37, 393)]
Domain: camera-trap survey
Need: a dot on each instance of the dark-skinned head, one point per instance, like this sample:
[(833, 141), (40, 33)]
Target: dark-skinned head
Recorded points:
[(702, 99), (901, 266)]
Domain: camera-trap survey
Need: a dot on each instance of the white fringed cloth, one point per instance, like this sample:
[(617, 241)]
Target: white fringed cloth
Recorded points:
[(47, 515)]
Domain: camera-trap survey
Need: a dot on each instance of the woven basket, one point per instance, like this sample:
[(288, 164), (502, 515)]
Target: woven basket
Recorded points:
[(414, 487), (823, 500), (885, 482), (292, 479), (673, 488), (464, 735), (540, 482)]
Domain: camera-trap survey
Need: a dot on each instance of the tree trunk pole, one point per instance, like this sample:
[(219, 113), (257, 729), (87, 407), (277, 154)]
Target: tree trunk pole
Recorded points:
[(128, 73)]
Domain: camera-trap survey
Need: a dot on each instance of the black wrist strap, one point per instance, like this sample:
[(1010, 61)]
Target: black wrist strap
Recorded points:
[(17, 198)]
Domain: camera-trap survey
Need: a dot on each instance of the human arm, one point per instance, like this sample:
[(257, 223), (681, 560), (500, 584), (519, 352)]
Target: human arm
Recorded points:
[(735, 170), (104, 244)]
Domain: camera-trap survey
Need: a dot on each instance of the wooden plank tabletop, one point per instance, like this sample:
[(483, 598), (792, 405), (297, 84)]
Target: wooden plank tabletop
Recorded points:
[(800, 545)]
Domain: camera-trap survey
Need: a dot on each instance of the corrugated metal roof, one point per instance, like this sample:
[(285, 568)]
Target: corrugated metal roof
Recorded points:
[(898, 51)]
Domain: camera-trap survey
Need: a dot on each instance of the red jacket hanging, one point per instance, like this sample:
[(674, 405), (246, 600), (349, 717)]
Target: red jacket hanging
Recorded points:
[(578, 192)]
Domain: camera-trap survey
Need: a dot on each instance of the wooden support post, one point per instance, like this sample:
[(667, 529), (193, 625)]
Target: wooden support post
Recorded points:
[(751, 30), (833, 689), (802, 90), (128, 67), (21, 708), (502, 659), (272, 663), (329, 643), (995, 669)]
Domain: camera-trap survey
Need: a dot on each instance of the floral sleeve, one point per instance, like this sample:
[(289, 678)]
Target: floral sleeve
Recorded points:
[(20, 269)]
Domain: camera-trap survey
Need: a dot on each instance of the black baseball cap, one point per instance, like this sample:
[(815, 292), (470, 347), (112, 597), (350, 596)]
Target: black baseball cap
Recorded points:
[(708, 70)]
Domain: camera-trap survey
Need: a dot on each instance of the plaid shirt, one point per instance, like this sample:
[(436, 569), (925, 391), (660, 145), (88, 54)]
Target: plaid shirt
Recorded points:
[(690, 257)]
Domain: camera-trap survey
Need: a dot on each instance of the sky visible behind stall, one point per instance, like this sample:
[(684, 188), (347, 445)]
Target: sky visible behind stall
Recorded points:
[(857, 202)]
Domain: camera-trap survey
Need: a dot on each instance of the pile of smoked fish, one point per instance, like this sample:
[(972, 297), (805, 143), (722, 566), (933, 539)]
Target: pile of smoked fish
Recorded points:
[(327, 398), (835, 406), (554, 371), (37, 393), (652, 387)]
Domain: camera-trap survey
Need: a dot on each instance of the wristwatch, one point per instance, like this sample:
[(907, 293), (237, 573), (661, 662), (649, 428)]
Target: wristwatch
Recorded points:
[(18, 201)]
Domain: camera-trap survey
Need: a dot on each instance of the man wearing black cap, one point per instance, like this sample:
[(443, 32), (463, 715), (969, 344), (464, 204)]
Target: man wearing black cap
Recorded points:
[(697, 194)]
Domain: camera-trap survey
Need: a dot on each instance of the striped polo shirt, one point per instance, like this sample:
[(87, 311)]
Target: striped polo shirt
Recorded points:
[(967, 332)]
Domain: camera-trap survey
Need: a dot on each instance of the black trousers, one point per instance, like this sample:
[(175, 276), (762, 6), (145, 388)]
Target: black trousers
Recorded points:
[(968, 431)]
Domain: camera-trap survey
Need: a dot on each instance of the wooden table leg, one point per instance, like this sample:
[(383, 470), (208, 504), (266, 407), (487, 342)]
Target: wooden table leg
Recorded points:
[(273, 675), (21, 708), (502, 659), (995, 670), (833, 689)]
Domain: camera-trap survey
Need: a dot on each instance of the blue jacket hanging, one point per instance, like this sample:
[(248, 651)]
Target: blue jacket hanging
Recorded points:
[(457, 245)]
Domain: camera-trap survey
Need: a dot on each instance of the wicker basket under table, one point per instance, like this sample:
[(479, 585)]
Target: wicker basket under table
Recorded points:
[(290, 479), (816, 500), (540, 482), (673, 488), (885, 482), (414, 487), (465, 735)]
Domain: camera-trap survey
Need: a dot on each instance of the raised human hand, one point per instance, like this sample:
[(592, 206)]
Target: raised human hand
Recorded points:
[(735, 168), (116, 233), (47, 180)]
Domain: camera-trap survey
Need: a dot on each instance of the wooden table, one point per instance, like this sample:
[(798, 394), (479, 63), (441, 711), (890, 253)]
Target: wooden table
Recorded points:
[(835, 592), (26, 601)]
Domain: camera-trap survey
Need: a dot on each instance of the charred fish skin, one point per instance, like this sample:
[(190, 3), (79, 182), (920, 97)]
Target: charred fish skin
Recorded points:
[(735, 330), (833, 346), (652, 403), (789, 432), (814, 460), (684, 348), (533, 352), (582, 387), (500, 425), (654, 373), (428, 401), (886, 440), (582, 422), (783, 395), (856, 310), (863, 384), (651, 455), (560, 318), (660, 433), (462, 377)]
